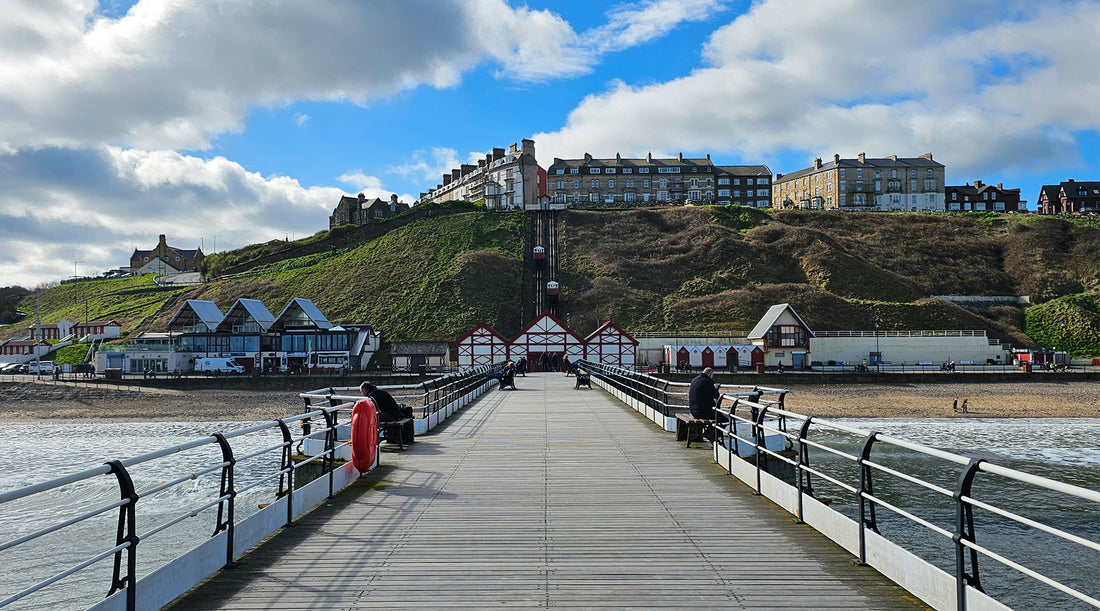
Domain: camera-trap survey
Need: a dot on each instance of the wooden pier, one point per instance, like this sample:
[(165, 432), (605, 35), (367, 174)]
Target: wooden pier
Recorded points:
[(547, 496)]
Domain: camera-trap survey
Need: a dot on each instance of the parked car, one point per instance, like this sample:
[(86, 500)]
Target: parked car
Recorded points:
[(44, 367), (10, 368)]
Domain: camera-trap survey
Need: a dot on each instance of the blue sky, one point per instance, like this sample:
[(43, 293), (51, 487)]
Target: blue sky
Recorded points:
[(247, 119)]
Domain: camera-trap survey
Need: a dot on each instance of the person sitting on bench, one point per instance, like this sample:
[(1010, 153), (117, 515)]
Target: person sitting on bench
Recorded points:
[(388, 409), (508, 377), (703, 395)]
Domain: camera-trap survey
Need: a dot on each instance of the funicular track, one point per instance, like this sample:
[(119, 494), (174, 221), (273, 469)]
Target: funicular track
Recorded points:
[(541, 231)]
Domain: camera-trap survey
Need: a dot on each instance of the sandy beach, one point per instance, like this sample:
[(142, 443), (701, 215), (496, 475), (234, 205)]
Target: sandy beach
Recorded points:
[(23, 402)]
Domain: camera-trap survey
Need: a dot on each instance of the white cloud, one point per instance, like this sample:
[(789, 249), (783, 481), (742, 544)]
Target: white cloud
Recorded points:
[(982, 85), (300, 118), (61, 205), (428, 165), (635, 24), (173, 74)]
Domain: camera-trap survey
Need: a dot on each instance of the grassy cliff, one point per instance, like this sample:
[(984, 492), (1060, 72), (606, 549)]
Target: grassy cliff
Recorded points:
[(696, 268)]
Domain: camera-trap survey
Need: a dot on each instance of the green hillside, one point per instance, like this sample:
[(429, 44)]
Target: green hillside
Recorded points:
[(694, 268)]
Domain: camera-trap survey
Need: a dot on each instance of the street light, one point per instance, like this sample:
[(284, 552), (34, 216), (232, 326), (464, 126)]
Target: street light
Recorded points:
[(878, 352), (75, 275)]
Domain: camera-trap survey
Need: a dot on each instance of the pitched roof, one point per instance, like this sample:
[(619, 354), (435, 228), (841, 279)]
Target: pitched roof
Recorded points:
[(610, 326), (195, 311), (414, 348), (244, 309), (771, 316), (868, 162), (301, 312)]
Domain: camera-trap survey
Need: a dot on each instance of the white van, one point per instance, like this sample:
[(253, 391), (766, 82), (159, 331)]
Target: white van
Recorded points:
[(45, 367), (215, 366)]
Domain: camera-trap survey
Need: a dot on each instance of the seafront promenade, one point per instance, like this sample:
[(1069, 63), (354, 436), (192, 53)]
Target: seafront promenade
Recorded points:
[(547, 496)]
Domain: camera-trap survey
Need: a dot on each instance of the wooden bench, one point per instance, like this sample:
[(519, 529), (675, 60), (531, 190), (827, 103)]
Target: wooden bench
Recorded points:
[(690, 428), (394, 429), (583, 379)]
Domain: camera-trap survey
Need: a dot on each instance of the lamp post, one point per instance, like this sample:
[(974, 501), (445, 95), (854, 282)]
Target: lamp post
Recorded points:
[(75, 275), (878, 352)]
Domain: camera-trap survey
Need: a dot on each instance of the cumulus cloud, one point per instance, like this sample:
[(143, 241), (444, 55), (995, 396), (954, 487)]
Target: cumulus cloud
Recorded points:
[(428, 165), (61, 205), (979, 84), (148, 80)]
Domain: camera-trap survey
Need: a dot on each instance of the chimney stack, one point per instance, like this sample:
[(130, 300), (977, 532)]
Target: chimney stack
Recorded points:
[(863, 157), (817, 163)]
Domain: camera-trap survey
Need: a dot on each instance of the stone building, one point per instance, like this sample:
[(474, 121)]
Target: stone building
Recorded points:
[(362, 211), (503, 180), (982, 197), (889, 183), (1069, 197), (654, 181), (165, 259)]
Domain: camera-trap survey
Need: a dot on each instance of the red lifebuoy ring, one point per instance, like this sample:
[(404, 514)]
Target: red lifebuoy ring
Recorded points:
[(364, 435)]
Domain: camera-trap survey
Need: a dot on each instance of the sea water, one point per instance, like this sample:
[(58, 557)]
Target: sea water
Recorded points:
[(1066, 450)]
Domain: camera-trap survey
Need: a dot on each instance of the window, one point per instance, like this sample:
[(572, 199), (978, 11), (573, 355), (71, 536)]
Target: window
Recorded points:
[(999, 206), (763, 181), (628, 170), (593, 170), (985, 196), (954, 196), (912, 185), (574, 170), (629, 183), (893, 173), (929, 185), (761, 192), (842, 187), (929, 173), (610, 183), (878, 173), (662, 196), (664, 183), (576, 198), (595, 183), (593, 197), (560, 198), (629, 196), (859, 185), (710, 183), (560, 171), (668, 170), (643, 170), (878, 184), (842, 172), (723, 181), (695, 183), (912, 173), (576, 184), (561, 184), (723, 192), (748, 181), (859, 172), (645, 183), (694, 196), (609, 170), (737, 194), (645, 197)]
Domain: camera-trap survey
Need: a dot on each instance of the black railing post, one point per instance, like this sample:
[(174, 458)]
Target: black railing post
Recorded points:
[(328, 461), (287, 471), (964, 531), (865, 488), (759, 441), (805, 485), (227, 490), (126, 533)]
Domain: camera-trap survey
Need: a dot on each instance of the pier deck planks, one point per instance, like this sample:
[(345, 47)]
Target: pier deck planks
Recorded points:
[(547, 496)]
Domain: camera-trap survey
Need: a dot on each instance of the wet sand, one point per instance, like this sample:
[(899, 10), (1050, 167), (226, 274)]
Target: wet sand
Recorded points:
[(48, 401)]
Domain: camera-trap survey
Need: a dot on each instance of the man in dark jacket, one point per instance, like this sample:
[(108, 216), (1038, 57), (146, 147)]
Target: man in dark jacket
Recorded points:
[(703, 395), (388, 409)]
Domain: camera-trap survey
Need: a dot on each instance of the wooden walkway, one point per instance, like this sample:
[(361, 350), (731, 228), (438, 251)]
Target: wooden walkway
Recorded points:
[(547, 496)]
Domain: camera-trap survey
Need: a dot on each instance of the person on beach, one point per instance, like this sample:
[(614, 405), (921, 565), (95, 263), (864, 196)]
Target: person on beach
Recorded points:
[(964, 409), (955, 405)]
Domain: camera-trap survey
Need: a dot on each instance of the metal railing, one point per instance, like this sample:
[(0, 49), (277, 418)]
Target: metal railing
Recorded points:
[(266, 469), (426, 398), (880, 478)]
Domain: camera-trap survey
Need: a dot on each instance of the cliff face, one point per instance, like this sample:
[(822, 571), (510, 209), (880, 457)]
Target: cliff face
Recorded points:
[(697, 268)]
